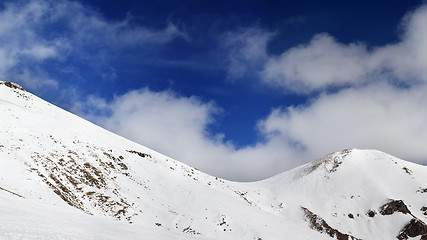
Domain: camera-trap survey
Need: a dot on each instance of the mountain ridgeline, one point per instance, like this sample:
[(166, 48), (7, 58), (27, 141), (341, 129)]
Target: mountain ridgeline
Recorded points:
[(62, 177)]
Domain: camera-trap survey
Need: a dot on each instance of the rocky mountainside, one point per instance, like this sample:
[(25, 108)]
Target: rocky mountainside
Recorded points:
[(62, 177)]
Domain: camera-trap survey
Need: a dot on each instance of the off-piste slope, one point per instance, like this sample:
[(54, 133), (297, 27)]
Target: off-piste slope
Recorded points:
[(366, 194), (62, 177)]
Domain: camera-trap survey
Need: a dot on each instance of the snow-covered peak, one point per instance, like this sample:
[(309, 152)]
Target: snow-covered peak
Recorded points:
[(328, 163)]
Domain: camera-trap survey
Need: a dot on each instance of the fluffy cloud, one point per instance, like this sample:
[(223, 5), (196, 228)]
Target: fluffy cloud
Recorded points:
[(177, 126), (324, 62), (407, 59), (379, 117), (160, 117), (372, 109)]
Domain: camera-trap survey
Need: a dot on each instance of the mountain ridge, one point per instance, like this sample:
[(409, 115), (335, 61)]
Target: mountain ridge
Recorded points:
[(53, 160)]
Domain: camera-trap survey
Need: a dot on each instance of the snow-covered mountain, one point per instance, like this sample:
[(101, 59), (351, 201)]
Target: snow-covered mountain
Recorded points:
[(62, 177)]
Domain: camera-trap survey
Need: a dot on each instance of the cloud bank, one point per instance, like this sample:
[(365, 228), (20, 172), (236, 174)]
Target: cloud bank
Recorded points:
[(177, 126), (324, 62)]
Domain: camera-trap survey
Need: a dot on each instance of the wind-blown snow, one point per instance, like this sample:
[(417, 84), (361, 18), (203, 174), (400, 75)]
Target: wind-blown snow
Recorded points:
[(62, 177)]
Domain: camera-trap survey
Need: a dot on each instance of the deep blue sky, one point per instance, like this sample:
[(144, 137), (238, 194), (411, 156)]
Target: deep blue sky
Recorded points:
[(203, 70)]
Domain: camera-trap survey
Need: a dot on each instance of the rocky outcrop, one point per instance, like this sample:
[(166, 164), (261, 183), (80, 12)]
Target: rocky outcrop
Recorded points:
[(12, 85), (394, 206), (371, 213), (319, 224), (414, 228)]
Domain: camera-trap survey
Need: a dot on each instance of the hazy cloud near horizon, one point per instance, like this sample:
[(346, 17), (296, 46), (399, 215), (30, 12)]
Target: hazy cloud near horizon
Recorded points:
[(360, 96)]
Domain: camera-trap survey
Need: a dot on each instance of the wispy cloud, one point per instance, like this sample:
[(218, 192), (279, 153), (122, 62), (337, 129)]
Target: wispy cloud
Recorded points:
[(246, 50), (34, 32), (20, 46)]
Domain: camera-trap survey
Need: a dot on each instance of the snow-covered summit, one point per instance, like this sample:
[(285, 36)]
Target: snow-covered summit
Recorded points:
[(103, 186)]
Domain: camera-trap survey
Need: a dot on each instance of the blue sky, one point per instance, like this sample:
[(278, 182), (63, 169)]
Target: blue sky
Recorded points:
[(239, 89)]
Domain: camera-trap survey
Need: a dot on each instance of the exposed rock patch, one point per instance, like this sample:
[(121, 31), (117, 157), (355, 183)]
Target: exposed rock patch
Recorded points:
[(143, 155), (414, 228), (371, 213), (190, 231), (317, 223), (422, 190), (85, 180), (394, 206), (329, 163), (12, 85), (243, 196), (407, 170)]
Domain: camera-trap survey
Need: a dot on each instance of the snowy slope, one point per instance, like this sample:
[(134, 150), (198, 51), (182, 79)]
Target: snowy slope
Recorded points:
[(345, 186), (62, 177)]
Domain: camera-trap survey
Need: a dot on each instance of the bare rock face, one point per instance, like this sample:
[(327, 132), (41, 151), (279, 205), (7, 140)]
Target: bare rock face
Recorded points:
[(371, 213), (319, 224), (12, 85), (414, 228), (394, 206)]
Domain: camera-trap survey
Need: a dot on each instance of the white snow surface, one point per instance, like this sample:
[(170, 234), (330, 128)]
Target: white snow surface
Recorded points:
[(62, 177)]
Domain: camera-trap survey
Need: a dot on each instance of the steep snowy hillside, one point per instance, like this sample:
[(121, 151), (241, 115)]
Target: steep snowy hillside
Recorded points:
[(62, 177)]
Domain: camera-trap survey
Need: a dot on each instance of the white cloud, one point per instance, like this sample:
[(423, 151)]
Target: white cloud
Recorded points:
[(324, 62), (246, 49), (369, 111), (407, 59), (177, 126), (378, 116), (19, 44), (40, 52), (169, 123), (34, 78), (321, 63)]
